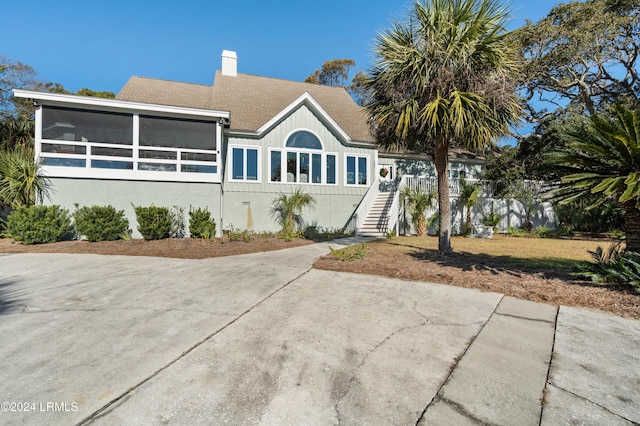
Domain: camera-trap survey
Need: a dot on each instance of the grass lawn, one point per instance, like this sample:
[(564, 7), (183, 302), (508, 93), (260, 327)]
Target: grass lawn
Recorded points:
[(512, 252), (537, 269)]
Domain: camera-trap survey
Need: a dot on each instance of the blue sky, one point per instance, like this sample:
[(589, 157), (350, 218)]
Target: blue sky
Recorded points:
[(100, 44)]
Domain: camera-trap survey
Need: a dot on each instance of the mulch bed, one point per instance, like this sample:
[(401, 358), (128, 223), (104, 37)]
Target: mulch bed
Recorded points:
[(184, 248)]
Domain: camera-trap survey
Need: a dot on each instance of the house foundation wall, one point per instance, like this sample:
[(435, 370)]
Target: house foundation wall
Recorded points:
[(123, 194), (252, 211)]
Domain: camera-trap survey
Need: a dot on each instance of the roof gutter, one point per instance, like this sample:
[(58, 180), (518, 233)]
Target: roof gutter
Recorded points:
[(63, 99)]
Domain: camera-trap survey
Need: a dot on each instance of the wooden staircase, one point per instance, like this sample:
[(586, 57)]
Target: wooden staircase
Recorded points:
[(377, 222)]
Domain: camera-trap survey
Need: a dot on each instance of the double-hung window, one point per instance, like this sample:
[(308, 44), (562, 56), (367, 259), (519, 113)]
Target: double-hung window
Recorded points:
[(356, 169), (245, 164)]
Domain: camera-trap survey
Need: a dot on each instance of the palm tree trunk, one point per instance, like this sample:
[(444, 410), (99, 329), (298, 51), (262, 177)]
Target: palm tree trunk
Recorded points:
[(632, 225), (421, 226), (441, 160)]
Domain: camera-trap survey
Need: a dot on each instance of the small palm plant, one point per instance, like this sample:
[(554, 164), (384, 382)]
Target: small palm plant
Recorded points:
[(21, 179), (613, 266), (417, 202), (468, 197), (287, 211)]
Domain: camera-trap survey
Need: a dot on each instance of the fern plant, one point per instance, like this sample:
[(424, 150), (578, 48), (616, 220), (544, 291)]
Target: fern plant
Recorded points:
[(613, 265)]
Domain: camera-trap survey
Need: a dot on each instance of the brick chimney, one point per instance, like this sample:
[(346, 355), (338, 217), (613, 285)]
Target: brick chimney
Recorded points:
[(229, 63)]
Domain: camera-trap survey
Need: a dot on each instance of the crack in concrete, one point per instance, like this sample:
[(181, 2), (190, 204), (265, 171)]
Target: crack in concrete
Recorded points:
[(525, 318), (464, 324), (104, 410), (461, 410), (547, 382), (592, 402), (425, 320), (457, 361)]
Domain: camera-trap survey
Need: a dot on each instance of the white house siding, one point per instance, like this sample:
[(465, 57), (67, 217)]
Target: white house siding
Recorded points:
[(121, 194), (247, 205)]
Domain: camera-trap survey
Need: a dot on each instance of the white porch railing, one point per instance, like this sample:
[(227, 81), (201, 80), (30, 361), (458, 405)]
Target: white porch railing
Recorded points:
[(365, 205)]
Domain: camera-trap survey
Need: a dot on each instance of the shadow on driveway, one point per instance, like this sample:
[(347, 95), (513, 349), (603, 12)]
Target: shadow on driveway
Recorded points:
[(9, 300)]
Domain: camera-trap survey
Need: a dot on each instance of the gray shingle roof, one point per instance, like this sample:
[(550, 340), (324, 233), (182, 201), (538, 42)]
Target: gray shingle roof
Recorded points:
[(251, 100), (165, 92)]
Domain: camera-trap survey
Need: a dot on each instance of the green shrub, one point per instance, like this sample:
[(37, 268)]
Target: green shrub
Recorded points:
[(491, 218), (238, 235), (516, 232), (154, 223), (616, 234), (613, 266), (201, 224), (564, 231), (350, 253), (542, 231), (310, 232), (100, 223), (318, 233), (38, 224), (288, 235)]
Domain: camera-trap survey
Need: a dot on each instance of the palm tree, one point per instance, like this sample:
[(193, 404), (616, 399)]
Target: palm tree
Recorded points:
[(602, 158), (417, 203), (287, 210), (444, 78), (22, 182), (468, 198), (16, 132)]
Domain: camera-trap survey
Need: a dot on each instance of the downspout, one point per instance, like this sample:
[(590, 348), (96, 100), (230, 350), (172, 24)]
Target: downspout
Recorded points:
[(223, 169)]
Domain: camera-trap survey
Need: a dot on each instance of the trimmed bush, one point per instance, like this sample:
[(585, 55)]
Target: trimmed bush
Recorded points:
[(201, 224), (38, 224), (101, 223), (154, 223)]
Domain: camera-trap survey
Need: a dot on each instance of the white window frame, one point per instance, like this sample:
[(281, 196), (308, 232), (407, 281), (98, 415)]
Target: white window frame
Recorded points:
[(298, 151), (244, 163), (129, 174), (357, 156), (336, 177), (286, 139)]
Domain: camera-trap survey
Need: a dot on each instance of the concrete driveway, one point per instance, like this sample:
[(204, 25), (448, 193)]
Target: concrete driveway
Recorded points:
[(264, 339)]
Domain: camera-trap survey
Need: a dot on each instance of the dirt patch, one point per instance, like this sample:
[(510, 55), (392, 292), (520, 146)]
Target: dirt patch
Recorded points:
[(185, 248)]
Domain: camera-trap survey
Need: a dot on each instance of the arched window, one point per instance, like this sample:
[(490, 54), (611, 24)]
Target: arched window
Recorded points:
[(302, 161), (303, 139)]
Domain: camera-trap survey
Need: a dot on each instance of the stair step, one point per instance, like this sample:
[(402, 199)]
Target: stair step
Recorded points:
[(376, 222)]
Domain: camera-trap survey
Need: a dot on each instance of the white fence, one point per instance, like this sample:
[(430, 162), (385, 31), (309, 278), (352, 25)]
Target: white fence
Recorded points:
[(512, 213)]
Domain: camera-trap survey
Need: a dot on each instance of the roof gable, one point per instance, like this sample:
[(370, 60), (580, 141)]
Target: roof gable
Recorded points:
[(305, 99), (254, 102)]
